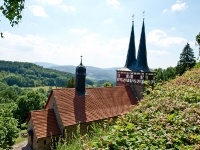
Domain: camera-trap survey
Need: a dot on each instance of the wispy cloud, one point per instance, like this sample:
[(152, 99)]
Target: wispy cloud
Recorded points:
[(79, 31), (33, 23), (158, 52), (67, 8), (38, 11), (160, 38), (178, 6), (50, 2), (173, 28), (165, 10), (108, 20), (192, 43), (114, 3)]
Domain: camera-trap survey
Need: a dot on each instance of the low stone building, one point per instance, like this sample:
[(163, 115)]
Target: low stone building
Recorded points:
[(68, 106)]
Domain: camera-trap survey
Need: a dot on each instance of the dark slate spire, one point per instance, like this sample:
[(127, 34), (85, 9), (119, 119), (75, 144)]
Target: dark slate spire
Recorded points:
[(142, 64), (80, 78), (131, 55)]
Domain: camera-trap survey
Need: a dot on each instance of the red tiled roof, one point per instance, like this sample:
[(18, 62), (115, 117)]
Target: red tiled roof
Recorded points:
[(45, 123), (99, 103)]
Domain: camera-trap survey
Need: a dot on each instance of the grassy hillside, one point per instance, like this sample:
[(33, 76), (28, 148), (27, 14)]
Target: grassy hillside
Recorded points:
[(167, 118)]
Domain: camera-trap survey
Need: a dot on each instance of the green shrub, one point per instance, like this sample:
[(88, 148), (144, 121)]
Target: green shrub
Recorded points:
[(23, 126)]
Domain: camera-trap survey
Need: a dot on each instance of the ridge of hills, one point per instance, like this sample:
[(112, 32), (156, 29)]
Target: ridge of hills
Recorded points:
[(24, 74), (167, 118), (93, 73)]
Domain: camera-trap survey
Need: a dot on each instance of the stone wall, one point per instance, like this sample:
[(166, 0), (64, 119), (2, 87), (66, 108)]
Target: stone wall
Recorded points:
[(34, 144), (71, 131), (46, 143)]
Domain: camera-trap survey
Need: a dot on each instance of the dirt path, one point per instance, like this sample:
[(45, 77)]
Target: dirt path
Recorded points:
[(22, 146)]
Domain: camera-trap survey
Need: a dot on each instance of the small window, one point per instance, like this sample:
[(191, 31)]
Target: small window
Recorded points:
[(44, 142)]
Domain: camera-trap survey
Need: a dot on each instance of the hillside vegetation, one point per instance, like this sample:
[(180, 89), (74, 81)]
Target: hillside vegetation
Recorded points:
[(31, 75), (24, 74), (167, 118)]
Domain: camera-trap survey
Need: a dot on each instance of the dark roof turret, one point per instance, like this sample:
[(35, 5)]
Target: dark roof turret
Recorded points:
[(80, 69), (131, 55)]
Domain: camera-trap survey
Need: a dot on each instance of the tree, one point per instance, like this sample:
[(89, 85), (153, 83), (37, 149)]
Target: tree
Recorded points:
[(12, 10), (170, 73), (8, 126), (71, 83), (198, 42), (159, 74), (107, 84), (187, 60), (31, 100)]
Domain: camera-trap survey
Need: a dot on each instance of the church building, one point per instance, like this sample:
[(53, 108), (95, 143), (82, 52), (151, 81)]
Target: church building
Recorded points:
[(67, 107)]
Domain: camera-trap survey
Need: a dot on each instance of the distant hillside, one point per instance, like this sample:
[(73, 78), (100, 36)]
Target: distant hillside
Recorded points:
[(30, 75), (93, 73), (25, 74), (45, 64)]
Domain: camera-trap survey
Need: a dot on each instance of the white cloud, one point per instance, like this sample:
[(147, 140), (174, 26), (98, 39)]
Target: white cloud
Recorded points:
[(34, 24), (173, 28), (165, 10), (158, 52), (27, 42), (96, 51), (114, 3), (51, 2), (178, 7), (192, 43), (79, 31), (38, 11), (108, 20), (160, 38), (32, 48), (67, 8)]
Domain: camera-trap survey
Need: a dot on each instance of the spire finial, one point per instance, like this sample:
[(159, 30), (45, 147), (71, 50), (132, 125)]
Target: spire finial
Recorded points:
[(143, 14), (133, 18), (81, 60)]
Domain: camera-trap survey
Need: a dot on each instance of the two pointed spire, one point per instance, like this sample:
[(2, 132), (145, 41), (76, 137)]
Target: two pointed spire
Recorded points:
[(140, 64)]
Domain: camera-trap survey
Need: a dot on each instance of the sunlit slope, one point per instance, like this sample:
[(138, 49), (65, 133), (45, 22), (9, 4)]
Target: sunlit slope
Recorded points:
[(167, 118)]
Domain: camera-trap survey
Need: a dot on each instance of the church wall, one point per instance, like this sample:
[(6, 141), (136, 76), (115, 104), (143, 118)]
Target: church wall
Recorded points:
[(45, 143), (34, 144), (58, 118), (139, 89), (70, 131)]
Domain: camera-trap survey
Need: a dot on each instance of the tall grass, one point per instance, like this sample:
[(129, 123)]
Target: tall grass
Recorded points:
[(78, 141)]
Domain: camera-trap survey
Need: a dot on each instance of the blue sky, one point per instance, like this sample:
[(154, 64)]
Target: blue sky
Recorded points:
[(59, 31)]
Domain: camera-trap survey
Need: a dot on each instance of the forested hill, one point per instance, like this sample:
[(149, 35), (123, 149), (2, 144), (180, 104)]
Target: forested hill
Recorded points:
[(25, 74)]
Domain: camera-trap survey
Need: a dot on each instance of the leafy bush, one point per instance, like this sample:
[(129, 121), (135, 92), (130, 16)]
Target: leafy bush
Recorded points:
[(8, 126), (23, 126)]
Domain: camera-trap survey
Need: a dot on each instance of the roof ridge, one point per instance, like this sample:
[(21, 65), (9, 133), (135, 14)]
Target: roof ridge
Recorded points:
[(41, 110), (90, 87)]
